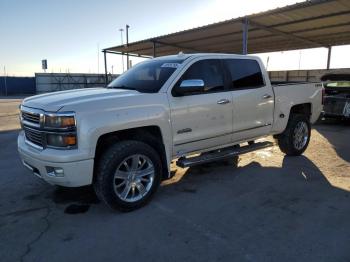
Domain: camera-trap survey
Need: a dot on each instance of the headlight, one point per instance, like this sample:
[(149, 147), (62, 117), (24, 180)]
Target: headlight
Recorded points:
[(61, 141), (64, 120), (60, 130)]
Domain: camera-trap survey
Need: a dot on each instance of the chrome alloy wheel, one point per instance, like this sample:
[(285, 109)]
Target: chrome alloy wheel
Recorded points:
[(301, 135), (133, 178)]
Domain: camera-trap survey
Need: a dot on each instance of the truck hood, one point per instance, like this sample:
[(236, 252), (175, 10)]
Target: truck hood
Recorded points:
[(53, 102)]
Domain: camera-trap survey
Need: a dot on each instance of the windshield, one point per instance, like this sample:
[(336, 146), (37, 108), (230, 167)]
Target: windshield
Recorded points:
[(147, 77)]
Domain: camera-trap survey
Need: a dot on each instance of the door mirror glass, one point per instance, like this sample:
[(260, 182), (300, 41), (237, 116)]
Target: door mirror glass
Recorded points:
[(190, 86)]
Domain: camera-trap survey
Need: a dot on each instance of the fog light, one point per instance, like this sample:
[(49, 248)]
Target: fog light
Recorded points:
[(59, 172), (55, 171)]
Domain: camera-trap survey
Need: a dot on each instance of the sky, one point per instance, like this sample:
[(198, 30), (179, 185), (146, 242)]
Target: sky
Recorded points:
[(71, 34)]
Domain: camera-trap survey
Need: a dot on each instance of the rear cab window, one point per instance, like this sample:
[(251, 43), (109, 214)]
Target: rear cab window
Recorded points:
[(244, 73)]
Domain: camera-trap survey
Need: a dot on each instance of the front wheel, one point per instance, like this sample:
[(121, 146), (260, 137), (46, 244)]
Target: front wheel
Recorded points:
[(295, 139), (127, 175)]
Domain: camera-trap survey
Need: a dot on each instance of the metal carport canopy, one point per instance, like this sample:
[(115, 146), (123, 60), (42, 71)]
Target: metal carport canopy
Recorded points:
[(315, 23)]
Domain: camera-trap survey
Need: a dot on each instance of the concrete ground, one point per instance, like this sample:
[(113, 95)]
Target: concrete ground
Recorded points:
[(270, 208)]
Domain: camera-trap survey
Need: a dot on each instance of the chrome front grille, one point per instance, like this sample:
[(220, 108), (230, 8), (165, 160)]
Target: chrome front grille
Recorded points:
[(31, 121), (31, 117), (34, 136)]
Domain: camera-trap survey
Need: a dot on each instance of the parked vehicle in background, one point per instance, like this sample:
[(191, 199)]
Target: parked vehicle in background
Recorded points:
[(123, 138), (337, 96)]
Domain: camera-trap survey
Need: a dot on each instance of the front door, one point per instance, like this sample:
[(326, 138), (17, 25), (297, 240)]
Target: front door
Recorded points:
[(202, 120)]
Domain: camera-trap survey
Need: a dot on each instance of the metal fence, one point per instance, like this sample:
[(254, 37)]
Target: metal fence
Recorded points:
[(52, 82), (17, 85), (305, 75)]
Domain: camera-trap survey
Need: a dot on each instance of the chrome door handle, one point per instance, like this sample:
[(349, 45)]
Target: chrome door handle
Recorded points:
[(266, 96), (223, 101)]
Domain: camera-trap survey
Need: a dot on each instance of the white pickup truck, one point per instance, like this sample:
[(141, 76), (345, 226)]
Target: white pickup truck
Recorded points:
[(123, 138)]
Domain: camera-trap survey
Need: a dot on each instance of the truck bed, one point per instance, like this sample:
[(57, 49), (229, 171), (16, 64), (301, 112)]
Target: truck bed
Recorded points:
[(281, 83), (288, 94)]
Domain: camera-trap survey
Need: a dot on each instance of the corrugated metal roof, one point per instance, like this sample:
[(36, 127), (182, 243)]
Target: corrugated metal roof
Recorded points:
[(315, 23)]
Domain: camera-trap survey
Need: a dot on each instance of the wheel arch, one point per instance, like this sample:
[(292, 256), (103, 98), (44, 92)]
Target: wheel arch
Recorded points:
[(283, 116), (151, 135), (304, 109)]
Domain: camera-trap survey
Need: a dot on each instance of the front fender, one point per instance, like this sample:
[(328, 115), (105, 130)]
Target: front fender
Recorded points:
[(93, 125)]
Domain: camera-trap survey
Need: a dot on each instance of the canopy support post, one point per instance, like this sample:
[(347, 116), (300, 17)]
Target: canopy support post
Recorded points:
[(105, 60), (245, 23), (127, 45), (154, 49), (329, 57)]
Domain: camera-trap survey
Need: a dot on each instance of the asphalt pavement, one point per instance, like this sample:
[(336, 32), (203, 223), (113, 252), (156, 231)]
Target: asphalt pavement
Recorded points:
[(270, 208)]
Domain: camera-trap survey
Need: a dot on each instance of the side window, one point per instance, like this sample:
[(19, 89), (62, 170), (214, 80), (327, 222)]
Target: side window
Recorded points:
[(245, 73), (210, 71)]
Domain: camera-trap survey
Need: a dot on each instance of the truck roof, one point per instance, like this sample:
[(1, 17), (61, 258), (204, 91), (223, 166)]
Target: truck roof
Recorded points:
[(183, 56)]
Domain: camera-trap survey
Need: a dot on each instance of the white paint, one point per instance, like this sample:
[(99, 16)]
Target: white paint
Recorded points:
[(100, 111)]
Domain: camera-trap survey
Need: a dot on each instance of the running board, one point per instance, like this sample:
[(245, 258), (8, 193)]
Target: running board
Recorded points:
[(184, 162)]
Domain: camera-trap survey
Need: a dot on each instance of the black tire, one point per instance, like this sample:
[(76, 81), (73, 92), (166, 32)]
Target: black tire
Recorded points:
[(104, 183), (287, 138)]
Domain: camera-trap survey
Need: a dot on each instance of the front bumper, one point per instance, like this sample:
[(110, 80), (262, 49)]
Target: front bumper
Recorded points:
[(71, 173)]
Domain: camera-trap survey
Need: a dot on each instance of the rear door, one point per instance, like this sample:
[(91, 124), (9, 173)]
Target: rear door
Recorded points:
[(253, 99), (202, 120)]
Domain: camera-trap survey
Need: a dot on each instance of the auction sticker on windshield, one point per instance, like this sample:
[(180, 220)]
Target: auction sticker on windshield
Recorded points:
[(171, 65)]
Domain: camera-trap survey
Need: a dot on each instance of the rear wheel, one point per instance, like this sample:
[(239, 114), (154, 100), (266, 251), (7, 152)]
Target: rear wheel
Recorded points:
[(295, 139), (127, 175)]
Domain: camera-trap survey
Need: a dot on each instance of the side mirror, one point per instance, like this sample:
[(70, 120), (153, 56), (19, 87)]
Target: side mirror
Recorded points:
[(190, 86)]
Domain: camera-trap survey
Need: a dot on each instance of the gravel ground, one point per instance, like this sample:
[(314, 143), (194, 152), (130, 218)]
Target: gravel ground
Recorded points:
[(270, 208), (9, 113)]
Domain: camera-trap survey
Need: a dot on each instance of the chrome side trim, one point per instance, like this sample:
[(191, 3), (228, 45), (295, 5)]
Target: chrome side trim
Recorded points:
[(223, 101), (251, 128), (193, 141)]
